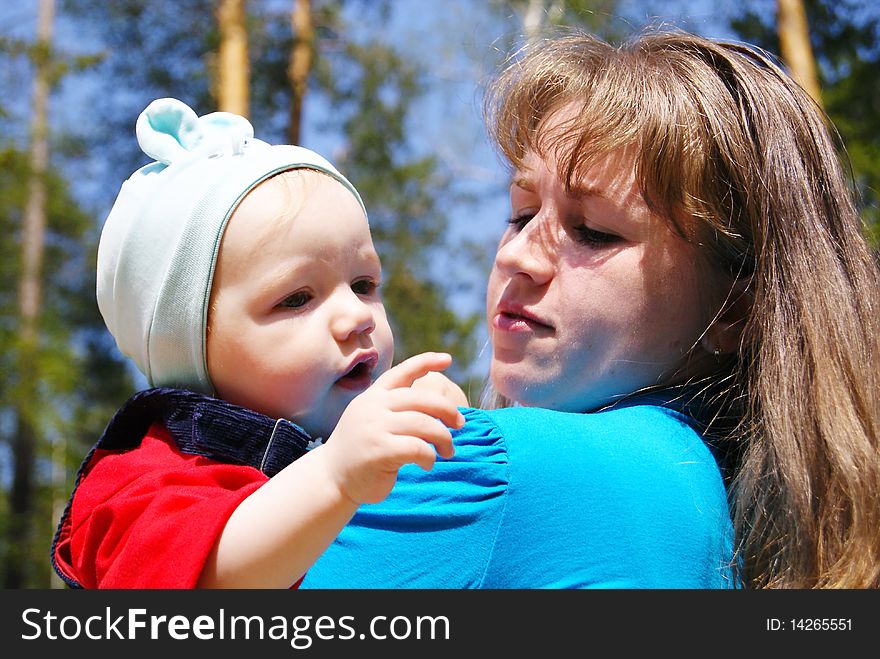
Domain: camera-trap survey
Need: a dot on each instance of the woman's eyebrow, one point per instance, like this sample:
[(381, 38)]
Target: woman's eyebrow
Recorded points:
[(576, 191), (581, 190), (522, 181)]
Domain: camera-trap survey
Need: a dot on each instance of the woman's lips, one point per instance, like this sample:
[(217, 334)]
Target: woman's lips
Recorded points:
[(511, 319)]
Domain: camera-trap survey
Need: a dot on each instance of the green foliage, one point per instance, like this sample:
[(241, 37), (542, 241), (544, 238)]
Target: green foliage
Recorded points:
[(145, 50), (845, 37), (80, 381), (59, 391)]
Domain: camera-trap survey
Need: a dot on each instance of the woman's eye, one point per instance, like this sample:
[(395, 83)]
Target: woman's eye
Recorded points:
[(592, 238), (296, 300), (518, 222), (365, 287)]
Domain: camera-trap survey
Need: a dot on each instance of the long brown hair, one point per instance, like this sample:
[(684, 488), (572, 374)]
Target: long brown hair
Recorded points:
[(743, 163)]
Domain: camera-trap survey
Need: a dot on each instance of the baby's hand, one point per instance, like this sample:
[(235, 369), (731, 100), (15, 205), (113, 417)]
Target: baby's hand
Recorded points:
[(434, 381), (391, 424)]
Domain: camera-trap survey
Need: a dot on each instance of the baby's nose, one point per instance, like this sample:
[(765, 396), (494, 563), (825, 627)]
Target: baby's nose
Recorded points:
[(352, 316)]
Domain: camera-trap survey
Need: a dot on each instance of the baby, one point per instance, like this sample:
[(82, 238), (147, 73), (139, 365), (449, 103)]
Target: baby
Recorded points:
[(242, 280)]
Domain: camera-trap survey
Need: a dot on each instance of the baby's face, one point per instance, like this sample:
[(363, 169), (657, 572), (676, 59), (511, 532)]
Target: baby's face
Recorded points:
[(297, 327)]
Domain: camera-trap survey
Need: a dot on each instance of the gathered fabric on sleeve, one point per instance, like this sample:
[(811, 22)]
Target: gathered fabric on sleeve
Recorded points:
[(147, 517), (435, 530)]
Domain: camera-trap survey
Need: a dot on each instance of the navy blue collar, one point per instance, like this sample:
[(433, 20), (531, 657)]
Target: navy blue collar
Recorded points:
[(206, 426)]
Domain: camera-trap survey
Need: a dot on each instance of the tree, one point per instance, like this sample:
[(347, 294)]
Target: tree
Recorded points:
[(300, 66), (79, 381), (48, 345), (794, 44), (845, 38), (233, 66), (33, 237)]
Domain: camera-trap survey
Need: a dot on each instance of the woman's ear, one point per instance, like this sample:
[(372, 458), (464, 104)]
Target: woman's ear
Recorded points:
[(724, 335)]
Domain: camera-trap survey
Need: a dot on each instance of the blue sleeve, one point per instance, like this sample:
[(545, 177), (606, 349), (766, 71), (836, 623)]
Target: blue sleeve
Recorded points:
[(435, 530), (627, 498)]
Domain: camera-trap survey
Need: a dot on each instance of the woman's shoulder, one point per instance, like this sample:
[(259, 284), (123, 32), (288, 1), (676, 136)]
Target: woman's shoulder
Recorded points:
[(625, 496), (652, 437), (529, 423)]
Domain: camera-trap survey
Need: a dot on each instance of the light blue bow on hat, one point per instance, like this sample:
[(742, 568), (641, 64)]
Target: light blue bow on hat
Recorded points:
[(169, 130)]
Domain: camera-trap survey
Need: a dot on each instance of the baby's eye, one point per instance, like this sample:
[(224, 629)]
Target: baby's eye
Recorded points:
[(296, 300), (365, 286)]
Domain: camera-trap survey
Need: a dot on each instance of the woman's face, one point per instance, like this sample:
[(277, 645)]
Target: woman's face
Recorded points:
[(591, 296)]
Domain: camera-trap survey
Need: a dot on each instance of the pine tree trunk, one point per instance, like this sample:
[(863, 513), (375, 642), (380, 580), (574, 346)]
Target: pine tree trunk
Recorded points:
[(533, 19), (30, 300), (794, 44), (300, 65), (233, 68)]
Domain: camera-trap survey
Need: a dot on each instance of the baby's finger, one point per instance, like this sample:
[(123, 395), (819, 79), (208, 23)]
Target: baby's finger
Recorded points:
[(436, 381), (426, 428), (416, 451), (431, 403), (409, 370)]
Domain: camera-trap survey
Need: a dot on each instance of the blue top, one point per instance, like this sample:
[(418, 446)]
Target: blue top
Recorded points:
[(629, 497)]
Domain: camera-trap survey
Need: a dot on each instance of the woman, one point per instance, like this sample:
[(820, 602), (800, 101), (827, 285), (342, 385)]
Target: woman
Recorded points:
[(682, 235)]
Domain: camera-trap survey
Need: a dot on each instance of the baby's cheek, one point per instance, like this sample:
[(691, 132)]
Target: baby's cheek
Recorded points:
[(383, 340)]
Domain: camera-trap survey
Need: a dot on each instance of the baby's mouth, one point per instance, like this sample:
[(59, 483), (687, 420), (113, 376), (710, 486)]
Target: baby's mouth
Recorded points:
[(359, 377)]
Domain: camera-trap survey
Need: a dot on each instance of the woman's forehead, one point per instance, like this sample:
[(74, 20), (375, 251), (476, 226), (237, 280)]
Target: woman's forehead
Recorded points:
[(607, 174)]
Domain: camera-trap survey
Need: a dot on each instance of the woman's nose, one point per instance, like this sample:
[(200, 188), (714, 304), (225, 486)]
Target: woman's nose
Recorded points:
[(529, 252), (351, 316)]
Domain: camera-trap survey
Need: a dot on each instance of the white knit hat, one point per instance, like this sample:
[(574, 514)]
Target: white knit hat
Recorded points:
[(159, 245)]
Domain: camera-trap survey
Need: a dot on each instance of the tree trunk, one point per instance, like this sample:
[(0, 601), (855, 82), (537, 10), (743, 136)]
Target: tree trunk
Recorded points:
[(33, 242), (533, 19), (794, 44), (300, 64), (538, 14), (233, 69)]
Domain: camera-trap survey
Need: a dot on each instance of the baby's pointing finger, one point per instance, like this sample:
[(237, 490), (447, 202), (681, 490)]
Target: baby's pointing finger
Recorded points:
[(427, 402), (410, 370)]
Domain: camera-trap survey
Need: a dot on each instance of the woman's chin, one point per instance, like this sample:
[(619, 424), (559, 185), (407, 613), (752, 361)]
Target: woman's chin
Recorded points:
[(515, 386), (529, 392)]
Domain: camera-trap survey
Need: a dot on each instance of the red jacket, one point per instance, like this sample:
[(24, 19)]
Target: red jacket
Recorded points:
[(156, 491), (148, 517)]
